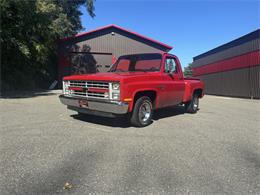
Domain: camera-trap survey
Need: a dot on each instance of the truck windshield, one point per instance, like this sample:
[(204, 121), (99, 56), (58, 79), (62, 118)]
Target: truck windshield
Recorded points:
[(138, 63)]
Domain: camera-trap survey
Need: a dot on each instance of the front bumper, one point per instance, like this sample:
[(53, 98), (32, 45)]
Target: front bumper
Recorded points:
[(94, 106)]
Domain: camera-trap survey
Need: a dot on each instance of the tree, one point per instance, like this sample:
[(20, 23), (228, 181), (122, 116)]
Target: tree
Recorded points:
[(188, 70), (29, 33)]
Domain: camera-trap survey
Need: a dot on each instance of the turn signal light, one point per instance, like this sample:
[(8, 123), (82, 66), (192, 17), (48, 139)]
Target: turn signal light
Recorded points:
[(128, 99)]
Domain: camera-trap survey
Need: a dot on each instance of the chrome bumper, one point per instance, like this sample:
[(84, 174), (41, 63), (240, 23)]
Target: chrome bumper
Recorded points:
[(93, 106)]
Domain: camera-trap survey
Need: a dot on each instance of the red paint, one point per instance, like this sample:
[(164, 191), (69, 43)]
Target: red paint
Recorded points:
[(170, 89), (63, 61), (242, 61), (97, 90), (114, 59), (76, 88), (120, 28)]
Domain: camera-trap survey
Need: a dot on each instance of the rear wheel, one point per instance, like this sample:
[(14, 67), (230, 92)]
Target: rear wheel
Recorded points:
[(193, 105), (142, 112)]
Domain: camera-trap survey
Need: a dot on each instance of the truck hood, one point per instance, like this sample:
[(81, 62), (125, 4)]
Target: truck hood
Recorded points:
[(107, 76)]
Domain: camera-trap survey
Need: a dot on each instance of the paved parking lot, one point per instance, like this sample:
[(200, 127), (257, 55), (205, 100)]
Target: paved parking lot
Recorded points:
[(43, 145)]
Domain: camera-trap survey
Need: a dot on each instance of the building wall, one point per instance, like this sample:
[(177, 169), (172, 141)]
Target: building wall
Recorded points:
[(231, 69), (112, 42), (238, 83), (246, 47)]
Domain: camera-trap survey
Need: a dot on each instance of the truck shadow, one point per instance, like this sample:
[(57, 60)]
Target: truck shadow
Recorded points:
[(168, 112), (123, 121), (106, 121)]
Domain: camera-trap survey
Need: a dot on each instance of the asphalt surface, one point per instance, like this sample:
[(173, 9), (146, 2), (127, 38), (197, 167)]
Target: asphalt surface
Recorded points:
[(43, 145)]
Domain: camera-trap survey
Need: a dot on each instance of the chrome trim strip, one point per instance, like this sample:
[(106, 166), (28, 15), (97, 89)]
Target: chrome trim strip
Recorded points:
[(108, 107)]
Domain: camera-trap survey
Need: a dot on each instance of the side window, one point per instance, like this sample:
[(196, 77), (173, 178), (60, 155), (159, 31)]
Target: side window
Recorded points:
[(170, 65)]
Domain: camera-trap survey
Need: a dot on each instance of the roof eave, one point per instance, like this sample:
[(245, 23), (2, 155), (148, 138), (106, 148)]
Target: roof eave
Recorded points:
[(120, 28)]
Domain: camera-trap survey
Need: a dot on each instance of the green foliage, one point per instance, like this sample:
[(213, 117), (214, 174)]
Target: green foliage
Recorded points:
[(188, 70), (29, 33)]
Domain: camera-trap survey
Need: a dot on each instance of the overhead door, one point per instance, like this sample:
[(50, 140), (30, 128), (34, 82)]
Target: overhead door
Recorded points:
[(82, 63)]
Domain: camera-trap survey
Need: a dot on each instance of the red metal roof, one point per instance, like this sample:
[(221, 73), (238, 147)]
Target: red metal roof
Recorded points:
[(120, 28)]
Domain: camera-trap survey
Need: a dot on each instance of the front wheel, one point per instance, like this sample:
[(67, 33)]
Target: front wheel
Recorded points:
[(193, 105), (142, 112)]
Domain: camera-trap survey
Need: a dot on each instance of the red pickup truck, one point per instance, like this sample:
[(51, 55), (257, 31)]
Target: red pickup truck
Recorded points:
[(135, 86)]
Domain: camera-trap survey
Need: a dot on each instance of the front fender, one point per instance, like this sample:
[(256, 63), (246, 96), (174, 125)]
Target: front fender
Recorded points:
[(135, 91)]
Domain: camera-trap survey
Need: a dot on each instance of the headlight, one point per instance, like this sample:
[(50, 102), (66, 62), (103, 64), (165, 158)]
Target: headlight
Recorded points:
[(115, 86), (66, 87), (114, 89)]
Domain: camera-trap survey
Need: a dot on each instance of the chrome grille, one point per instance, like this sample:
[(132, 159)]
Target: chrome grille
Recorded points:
[(85, 85), (92, 84), (77, 83)]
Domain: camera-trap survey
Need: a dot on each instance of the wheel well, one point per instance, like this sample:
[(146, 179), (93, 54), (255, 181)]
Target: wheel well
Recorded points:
[(150, 94), (198, 91)]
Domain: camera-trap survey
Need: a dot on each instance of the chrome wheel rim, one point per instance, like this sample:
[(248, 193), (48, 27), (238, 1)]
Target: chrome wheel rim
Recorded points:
[(145, 111)]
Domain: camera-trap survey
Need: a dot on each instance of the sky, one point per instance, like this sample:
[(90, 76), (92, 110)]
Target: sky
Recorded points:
[(192, 27)]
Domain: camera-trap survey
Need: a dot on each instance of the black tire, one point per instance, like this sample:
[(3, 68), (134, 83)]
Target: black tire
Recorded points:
[(193, 105), (142, 112)]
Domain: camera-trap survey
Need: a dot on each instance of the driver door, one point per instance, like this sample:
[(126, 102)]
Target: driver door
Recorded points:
[(173, 84)]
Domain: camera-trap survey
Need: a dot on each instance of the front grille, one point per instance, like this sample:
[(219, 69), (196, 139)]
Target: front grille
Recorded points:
[(77, 83), (92, 84), (89, 89)]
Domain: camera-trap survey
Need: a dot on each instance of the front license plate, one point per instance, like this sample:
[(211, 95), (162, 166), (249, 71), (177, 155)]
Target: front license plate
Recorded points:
[(83, 103)]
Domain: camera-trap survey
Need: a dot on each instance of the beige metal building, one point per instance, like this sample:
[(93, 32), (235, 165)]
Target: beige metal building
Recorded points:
[(96, 50)]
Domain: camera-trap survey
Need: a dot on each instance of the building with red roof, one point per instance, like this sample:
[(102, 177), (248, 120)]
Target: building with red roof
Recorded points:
[(98, 49)]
